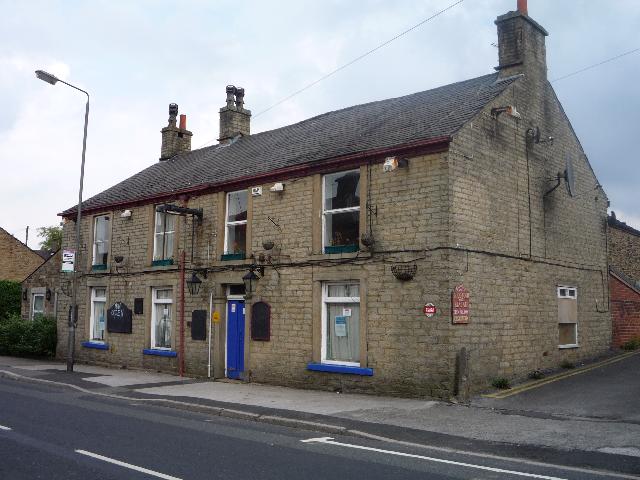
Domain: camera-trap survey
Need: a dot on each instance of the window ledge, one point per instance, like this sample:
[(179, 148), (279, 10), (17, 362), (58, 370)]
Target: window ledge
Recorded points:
[(341, 249), (159, 353), (162, 263), (96, 345), (232, 256), (96, 268), (326, 367), (563, 347)]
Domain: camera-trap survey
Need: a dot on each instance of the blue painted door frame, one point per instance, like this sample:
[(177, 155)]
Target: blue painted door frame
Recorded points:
[(235, 338)]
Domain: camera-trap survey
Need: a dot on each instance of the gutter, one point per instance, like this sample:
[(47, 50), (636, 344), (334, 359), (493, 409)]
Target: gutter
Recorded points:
[(433, 145)]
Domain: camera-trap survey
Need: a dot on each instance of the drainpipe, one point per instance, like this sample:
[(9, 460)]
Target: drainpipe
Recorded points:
[(182, 280), (210, 326)]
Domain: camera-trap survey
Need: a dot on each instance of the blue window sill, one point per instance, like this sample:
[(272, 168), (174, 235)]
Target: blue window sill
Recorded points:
[(159, 353), (96, 345), (341, 249), (326, 367), (162, 263), (96, 268), (233, 256)]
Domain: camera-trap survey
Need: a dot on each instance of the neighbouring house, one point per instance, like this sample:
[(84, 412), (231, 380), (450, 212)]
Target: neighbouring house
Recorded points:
[(624, 280), (41, 289), (17, 260), (359, 250)]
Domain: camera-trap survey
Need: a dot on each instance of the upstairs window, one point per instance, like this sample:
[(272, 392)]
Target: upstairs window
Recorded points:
[(98, 313), (235, 238), (163, 238), (100, 241), (567, 317), (341, 211)]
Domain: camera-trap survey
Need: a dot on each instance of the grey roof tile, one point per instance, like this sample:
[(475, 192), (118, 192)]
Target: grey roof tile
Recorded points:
[(386, 123)]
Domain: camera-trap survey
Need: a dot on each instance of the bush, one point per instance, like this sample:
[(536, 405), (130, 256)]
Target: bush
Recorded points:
[(22, 338), (632, 344), (501, 382), (10, 299), (567, 364)]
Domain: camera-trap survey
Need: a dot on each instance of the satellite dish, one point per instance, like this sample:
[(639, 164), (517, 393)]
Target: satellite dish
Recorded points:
[(569, 175)]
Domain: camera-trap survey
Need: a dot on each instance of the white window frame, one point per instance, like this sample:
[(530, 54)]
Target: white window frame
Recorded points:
[(33, 302), (92, 319), (571, 293), (228, 224), (164, 233), (333, 211), (95, 241), (155, 301), (326, 299)]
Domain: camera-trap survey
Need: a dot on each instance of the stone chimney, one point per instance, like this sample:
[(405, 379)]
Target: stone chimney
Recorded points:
[(175, 139), (234, 118), (521, 44)]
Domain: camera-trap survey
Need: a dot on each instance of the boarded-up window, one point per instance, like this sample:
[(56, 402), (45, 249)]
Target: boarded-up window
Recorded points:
[(567, 316)]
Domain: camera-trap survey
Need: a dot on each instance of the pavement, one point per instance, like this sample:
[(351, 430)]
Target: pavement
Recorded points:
[(595, 411)]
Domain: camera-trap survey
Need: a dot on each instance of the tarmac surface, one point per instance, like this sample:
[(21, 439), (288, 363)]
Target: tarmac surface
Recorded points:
[(594, 412)]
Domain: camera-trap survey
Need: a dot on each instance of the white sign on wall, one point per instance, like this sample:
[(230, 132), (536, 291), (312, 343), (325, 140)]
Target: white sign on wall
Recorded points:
[(68, 260)]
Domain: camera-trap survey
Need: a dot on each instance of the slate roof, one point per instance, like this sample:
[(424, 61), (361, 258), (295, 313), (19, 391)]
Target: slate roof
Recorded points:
[(439, 112), (614, 222)]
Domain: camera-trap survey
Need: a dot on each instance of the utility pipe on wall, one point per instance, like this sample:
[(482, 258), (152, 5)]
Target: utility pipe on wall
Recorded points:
[(182, 280)]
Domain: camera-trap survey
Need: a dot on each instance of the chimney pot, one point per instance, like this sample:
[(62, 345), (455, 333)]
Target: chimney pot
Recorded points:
[(183, 122), (234, 118), (175, 140), (522, 7), (231, 90)]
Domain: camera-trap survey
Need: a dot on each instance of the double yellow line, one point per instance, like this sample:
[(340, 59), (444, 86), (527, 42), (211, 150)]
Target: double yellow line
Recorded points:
[(538, 383)]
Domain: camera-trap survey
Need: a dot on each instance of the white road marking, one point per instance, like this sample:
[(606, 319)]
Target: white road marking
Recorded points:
[(127, 465), (2, 427), (329, 440)]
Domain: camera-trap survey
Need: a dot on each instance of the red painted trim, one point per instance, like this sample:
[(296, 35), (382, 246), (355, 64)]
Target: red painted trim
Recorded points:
[(432, 145)]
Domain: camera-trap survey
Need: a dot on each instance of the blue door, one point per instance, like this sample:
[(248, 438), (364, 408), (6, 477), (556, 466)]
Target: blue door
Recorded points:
[(235, 338)]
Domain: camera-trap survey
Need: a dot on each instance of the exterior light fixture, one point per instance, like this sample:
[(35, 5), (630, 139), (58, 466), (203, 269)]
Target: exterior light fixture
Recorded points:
[(251, 279), (393, 163), (48, 295), (24, 294), (46, 77), (194, 284)]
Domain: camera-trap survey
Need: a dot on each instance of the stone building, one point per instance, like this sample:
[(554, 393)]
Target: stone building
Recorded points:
[(17, 259), (378, 241), (624, 280), (41, 289)]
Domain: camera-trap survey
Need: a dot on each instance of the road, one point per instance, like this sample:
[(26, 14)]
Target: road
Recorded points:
[(53, 433)]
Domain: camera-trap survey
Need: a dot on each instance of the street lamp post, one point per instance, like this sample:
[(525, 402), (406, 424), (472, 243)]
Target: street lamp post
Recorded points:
[(73, 318)]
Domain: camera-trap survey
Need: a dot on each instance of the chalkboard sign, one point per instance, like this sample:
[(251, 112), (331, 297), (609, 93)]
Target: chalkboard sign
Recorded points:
[(261, 321), (199, 325), (119, 318)]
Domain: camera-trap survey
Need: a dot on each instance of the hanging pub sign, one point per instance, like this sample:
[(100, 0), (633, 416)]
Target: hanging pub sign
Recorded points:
[(460, 305), (119, 318), (429, 310)]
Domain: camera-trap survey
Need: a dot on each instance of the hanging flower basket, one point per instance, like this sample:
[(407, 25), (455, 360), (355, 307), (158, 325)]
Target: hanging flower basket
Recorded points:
[(404, 271)]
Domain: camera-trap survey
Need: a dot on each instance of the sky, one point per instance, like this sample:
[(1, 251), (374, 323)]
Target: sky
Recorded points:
[(135, 57)]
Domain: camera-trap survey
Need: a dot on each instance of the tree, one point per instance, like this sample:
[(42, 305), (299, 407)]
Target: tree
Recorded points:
[(51, 237)]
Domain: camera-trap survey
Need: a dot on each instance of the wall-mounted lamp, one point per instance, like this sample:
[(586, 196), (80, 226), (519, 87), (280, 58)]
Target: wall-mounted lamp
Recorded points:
[(48, 295), (393, 163), (24, 294), (194, 283), (125, 214), (251, 279), (277, 187)]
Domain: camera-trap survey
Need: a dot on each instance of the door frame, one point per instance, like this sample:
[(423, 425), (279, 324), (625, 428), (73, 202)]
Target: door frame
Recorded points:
[(230, 298)]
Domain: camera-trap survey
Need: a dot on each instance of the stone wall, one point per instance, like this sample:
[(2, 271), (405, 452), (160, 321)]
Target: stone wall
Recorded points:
[(46, 277), (624, 250), (17, 260)]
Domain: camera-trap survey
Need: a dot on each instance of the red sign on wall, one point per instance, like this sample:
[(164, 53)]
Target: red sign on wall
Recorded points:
[(429, 310), (460, 305)]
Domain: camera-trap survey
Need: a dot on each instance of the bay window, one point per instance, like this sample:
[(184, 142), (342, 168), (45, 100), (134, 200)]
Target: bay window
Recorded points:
[(341, 211)]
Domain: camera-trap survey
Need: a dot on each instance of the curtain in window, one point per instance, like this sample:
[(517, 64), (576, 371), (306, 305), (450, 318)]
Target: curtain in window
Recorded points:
[(99, 316), (163, 321), (164, 233), (102, 235), (343, 332)]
